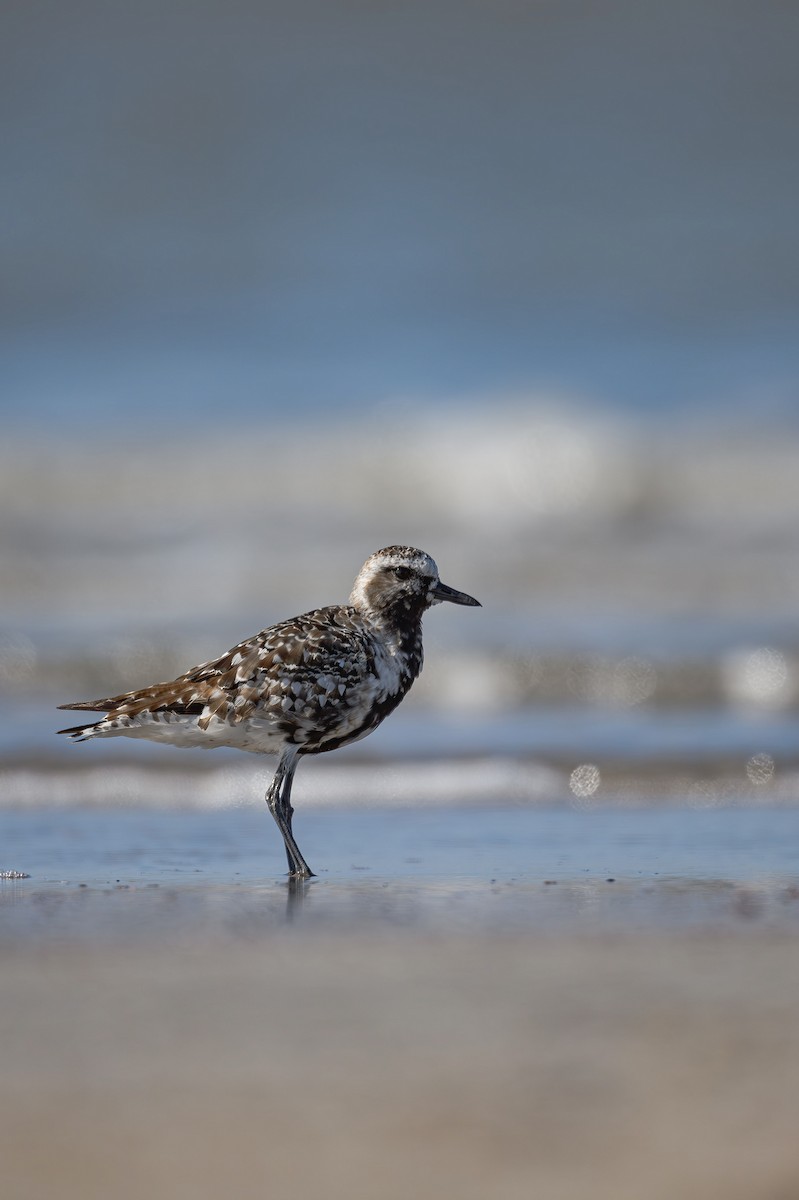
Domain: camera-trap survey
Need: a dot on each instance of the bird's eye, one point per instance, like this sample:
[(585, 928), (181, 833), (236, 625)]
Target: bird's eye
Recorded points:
[(402, 572)]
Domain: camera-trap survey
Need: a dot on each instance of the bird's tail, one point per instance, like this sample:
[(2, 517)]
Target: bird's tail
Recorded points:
[(79, 733)]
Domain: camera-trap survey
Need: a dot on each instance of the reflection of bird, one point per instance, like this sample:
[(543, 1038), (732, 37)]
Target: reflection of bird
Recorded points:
[(309, 684)]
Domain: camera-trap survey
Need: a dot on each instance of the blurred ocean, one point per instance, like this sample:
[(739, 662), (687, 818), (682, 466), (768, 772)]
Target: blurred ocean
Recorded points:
[(640, 594), (514, 283)]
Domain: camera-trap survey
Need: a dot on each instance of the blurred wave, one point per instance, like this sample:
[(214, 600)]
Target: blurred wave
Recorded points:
[(460, 782), (640, 591), (534, 508)]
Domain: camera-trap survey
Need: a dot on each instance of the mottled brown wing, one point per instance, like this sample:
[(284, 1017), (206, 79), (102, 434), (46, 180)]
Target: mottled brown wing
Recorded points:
[(294, 665)]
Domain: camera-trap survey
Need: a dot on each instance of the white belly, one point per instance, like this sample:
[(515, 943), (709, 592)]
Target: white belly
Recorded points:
[(258, 736)]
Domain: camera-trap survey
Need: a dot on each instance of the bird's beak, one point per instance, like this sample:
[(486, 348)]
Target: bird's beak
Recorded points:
[(442, 592)]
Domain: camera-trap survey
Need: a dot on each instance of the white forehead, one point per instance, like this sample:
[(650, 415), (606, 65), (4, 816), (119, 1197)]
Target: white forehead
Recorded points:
[(402, 556)]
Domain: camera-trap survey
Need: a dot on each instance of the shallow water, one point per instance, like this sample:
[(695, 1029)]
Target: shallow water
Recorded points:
[(132, 875)]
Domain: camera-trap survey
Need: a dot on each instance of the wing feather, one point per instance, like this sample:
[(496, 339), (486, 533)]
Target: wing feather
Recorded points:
[(292, 667)]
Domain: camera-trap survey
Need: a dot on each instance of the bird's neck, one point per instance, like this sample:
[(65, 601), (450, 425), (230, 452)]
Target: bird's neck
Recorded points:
[(399, 627)]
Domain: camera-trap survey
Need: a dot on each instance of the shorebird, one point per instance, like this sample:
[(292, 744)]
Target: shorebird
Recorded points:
[(304, 686)]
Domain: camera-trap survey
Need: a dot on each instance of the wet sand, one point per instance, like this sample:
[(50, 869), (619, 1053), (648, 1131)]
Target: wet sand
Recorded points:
[(175, 1021), (404, 1065)]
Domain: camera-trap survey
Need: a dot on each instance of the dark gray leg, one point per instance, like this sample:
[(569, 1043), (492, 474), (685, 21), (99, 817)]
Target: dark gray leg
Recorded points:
[(278, 798)]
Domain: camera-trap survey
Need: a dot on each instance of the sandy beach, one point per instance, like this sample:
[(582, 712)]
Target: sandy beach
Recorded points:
[(400, 1064), (175, 1023)]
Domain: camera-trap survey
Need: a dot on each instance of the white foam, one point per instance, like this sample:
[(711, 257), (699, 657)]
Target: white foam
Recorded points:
[(317, 785)]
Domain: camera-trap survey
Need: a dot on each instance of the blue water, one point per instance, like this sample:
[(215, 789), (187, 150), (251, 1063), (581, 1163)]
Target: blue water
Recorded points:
[(477, 843), (579, 216), (437, 200), (132, 875)]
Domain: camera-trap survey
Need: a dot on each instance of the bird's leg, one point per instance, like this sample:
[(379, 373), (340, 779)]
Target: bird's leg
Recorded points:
[(278, 798), (298, 867), (296, 863), (285, 798), (284, 822)]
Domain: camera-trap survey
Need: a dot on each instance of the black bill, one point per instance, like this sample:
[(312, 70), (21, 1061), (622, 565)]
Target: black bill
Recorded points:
[(442, 592)]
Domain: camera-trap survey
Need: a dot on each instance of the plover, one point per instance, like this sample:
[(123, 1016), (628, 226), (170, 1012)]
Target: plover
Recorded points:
[(305, 686)]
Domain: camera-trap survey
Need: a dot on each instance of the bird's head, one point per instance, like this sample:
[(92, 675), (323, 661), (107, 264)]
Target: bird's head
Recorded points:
[(402, 582)]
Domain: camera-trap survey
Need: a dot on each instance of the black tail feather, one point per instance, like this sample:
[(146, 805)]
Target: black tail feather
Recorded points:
[(76, 730)]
